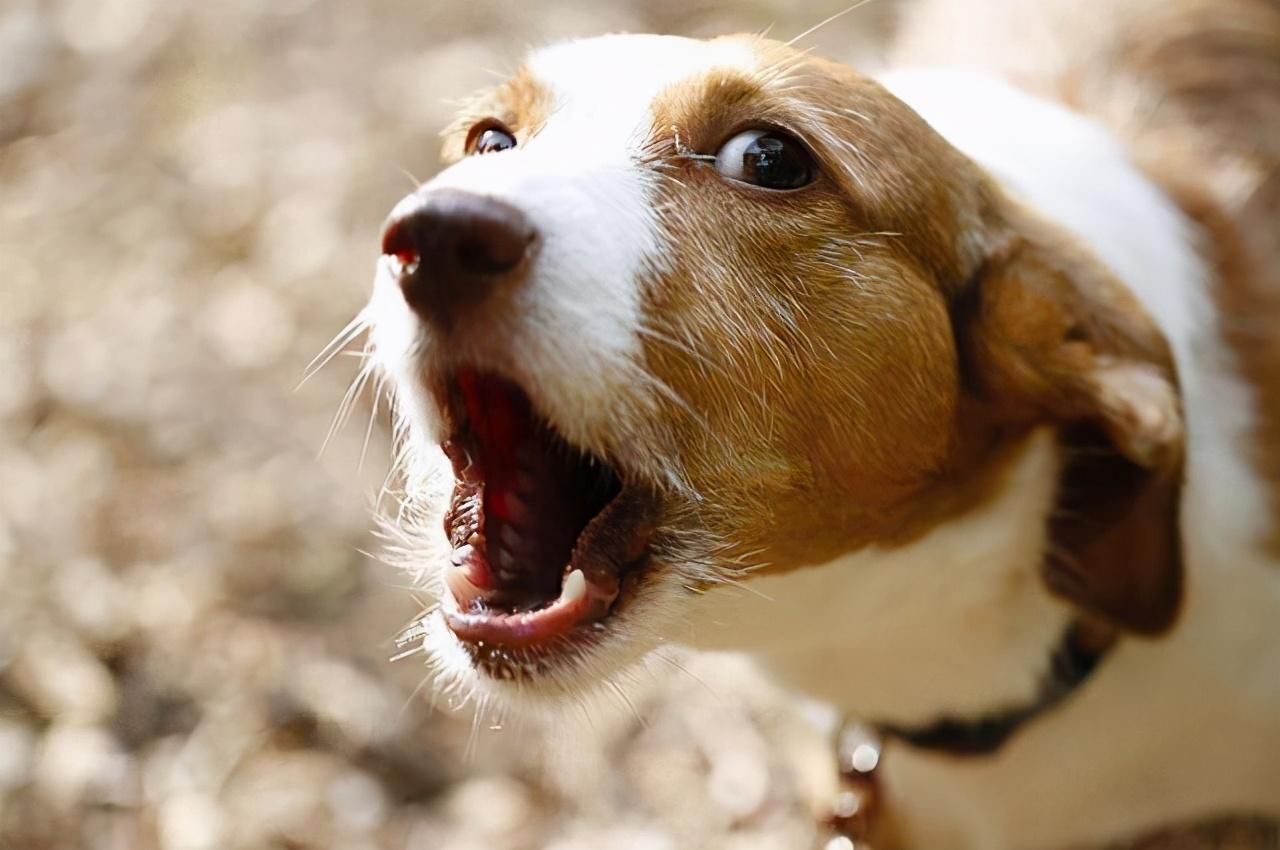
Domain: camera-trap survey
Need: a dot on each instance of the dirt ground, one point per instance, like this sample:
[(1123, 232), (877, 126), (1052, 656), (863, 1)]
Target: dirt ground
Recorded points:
[(194, 650)]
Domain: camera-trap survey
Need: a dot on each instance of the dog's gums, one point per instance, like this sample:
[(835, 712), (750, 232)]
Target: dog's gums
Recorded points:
[(542, 534)]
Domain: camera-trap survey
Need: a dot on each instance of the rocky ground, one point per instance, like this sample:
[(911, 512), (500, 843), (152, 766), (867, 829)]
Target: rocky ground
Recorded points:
[(194, 652)]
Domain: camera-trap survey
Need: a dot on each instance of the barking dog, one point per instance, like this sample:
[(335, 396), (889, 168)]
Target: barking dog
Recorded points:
[(942, 363)]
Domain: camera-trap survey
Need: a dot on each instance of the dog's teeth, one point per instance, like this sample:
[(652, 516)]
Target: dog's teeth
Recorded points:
[(475, 539), (511, 537), (575, 588), (459, 556), (506, 561)]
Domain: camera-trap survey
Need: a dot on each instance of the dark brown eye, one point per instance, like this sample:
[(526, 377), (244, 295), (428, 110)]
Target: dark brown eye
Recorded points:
[(493, 140), (767, 158)]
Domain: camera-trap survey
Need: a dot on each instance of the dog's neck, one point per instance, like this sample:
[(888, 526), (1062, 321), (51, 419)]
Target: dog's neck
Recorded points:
[(955, 624)]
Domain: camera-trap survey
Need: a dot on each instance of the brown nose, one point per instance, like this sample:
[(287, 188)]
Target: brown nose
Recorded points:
[(455, 248)]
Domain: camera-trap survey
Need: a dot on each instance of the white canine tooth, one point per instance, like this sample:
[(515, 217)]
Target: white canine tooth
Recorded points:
[(575, 588), (511, 537), (459, 555)]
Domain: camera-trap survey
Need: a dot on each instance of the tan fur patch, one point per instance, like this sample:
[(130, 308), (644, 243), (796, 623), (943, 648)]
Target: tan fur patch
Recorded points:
[(806, 328), (844, 391), (521, 105)]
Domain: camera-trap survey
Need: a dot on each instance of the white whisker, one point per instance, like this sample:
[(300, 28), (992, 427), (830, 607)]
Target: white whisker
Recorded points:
[(811, 30), (340, 341)]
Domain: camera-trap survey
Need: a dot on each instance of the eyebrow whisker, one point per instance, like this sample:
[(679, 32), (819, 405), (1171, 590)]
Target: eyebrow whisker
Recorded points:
[(821, 24)]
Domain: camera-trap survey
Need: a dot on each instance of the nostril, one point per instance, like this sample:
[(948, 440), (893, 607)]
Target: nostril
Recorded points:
[(398, 242)]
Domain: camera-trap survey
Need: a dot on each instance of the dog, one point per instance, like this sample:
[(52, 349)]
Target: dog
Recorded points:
[(949, 395)]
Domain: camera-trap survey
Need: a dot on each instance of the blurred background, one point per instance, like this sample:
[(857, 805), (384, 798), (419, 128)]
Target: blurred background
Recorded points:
[(194, 652)]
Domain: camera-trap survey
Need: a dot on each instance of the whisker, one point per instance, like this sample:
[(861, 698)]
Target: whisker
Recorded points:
[(340, 341), (346, 406), (379, 387), (412, 178), (811, 30)]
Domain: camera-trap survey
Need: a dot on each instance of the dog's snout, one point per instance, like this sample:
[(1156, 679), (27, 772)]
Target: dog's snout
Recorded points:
[(455, 248)]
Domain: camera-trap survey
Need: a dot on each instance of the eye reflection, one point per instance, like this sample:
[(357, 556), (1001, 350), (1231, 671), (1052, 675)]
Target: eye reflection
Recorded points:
[(770, 159)]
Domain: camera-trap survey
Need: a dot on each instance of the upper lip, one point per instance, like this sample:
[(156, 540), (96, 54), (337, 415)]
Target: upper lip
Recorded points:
[(542, 533)]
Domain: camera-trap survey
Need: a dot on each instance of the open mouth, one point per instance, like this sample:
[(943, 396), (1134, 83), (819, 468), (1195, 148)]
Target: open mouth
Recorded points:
[(542, 533)]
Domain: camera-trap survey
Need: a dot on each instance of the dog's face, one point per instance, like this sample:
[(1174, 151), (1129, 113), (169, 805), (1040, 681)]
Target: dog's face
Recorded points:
[(681, 311)]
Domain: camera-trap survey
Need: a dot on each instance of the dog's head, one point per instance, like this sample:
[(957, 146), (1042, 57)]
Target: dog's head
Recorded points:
[(683, 311)]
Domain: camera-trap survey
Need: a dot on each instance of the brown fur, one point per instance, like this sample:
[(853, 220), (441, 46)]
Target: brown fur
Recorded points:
[(865, 353), (1050, 336), (521, 105)]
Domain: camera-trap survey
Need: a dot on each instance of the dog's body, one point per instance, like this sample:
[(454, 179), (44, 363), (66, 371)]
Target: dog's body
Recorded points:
[(1010, 405)]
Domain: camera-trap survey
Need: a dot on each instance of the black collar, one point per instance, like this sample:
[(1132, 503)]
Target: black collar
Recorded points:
[(1070, 665)]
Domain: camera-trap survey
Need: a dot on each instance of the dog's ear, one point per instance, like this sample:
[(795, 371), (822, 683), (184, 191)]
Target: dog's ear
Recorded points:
[(1048, 336)]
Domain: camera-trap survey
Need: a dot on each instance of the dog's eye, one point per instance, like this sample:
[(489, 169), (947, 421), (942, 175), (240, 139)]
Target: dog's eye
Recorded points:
[(490, 139), (766, 158)]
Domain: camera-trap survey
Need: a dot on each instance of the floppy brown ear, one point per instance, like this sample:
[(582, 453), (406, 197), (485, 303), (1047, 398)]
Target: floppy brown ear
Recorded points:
[(1049, 337)]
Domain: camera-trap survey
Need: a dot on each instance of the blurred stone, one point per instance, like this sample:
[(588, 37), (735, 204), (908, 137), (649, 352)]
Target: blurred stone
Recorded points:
[(165, 598), (341, 694), (26, 50), (76, 763), (281, 796), (96, 26), (250, 325), (62, 679), (494, 807), (297, 237), (190, 822), (150, 709), (18, 388), (93, 600), (17, 748), (357, 802)]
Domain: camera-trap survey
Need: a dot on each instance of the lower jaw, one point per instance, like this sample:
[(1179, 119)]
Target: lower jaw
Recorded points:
[(556, 667), (535, 664)]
